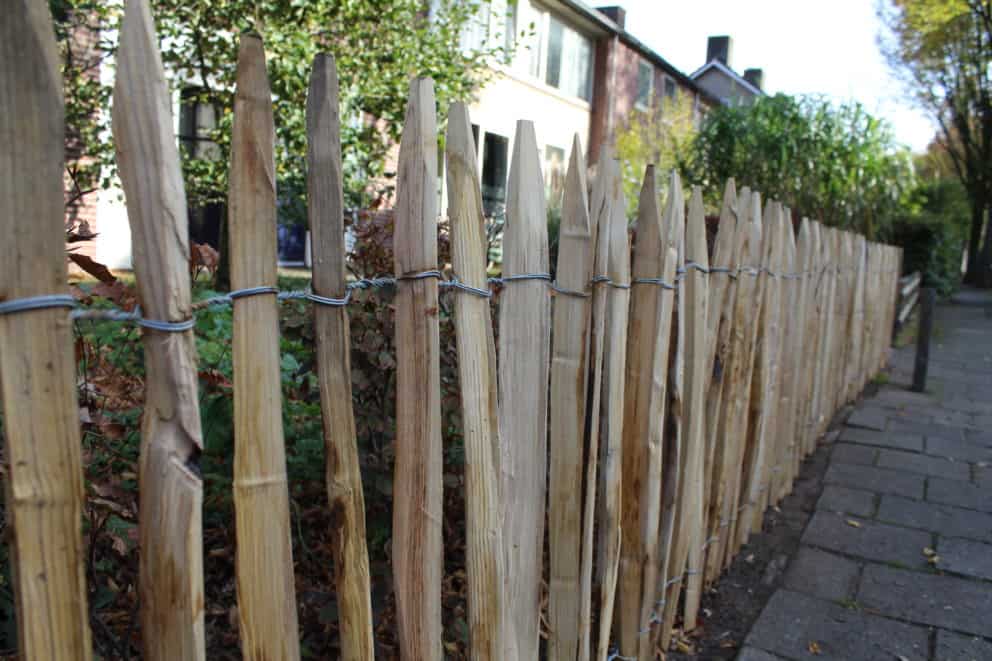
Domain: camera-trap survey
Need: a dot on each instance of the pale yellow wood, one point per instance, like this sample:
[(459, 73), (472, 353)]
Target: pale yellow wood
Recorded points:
[(417, 487), (812, 366), (43, 478), (325, 209), (802, 366), (484, 553), (612, 418), (171, 571), (695, 291), (673, 535), (604, 197), (569, 381), (747, 309), (825, 316), (644, 390), (783, 442), (266, 595), (723, 285)]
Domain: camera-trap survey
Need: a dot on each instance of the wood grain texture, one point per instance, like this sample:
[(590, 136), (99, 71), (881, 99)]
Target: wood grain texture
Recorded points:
[(732, 231), (644, 407), (747, 314), (695, 291), (569, 380), (603, 197), (673, 530), (780, 463), (484, 552), (170, 530), (612, 417), (266, 594), (417, 489), (44, 478), (325, 210)]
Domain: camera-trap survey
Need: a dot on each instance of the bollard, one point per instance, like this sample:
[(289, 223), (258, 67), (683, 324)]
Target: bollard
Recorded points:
[(928, 297)]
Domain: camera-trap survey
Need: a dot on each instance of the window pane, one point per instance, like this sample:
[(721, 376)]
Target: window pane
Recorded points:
[(554, 176), (555, 44), (645, 80), (494, 166), (670, 89)]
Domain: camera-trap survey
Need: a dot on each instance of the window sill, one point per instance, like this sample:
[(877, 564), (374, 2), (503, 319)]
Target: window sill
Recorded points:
[(530, 81)]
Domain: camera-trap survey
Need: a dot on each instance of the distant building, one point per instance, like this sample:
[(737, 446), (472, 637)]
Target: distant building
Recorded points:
[(719, 80)]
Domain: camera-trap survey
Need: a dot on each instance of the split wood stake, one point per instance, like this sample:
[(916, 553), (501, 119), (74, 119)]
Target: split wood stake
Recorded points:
[(525, 344), (662, 464), (695, 293), (603, 198), (417, 488), (266, 595), (647, 362), (44, 478), (779, 462), (170, 529), (569, 380), (325, 208), (612, 417), (484, 553), (731, 235)]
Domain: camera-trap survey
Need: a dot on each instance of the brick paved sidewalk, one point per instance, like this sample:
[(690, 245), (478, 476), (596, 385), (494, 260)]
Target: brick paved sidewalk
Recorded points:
[(896, 562)]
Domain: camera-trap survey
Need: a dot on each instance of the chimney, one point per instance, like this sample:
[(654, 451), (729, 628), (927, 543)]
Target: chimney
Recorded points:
[(615, 13), (718, 48), (754, 76)]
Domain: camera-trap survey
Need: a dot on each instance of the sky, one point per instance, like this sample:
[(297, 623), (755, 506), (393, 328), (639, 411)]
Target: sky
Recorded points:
[(803, 46)]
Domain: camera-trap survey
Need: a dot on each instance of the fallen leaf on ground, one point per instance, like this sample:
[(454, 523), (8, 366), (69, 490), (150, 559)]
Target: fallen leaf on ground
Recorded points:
[(814, 647), (853, 523), (929, 552)]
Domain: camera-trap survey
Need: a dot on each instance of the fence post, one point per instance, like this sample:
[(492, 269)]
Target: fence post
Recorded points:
[(417, 487), (44, 479), (325, 209), (169, 519), (266, 594), (484, 552), (923, 339), (569, 382)]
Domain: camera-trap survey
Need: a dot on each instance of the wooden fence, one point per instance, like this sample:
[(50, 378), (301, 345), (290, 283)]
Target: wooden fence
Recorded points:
[(685, 382)]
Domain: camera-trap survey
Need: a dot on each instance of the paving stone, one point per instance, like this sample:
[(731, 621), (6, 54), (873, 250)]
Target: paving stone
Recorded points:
[(903, 397), (791, 621), (942, 601), (963, 450), (942, 519), (850, 453), (979, 436), (877, 479), (961, 494), (955, 647), (928, 429), (923, 415), (921, 463), (897, 440), (874, 541), (983, 475), (869, 417), (954, 418), (965, 556), (981, 421), (968, 405), (822, 574), (851, 501), (754, 654)]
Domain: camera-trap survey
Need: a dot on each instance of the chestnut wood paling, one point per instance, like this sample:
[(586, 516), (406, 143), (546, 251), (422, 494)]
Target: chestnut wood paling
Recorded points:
[(644, 397), (525, 338), (170, 530), (802, 366), (569, 381), (747, 316), (693, 292), (44, 476), (266, 595), (612, 417), (325, 209), (417, 487), (603, 196), (811, 358), (719, 309), (674, 530), (779, 465), (732, 226), (484, 553)]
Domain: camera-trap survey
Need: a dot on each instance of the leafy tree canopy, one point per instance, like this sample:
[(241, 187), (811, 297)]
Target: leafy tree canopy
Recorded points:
[(378, 47), (833, 163)]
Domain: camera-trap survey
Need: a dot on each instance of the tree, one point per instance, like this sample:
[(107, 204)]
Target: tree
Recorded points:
[(377, 45), (662, 135), (833, 163), (942, 50)]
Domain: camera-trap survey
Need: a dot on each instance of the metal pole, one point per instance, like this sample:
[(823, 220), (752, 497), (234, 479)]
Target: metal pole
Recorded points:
[(928, 297)]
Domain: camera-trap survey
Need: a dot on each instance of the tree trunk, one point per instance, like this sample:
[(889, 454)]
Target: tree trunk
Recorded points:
[(983, 266), (973, 270)]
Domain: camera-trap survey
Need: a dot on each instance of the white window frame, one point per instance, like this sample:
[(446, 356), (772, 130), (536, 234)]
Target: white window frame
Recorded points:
[(542, 26), (638, 103)]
